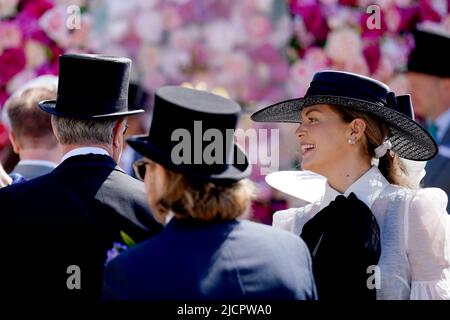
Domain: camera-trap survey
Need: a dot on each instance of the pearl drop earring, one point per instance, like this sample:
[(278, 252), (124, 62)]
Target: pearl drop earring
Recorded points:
[(350, 141)]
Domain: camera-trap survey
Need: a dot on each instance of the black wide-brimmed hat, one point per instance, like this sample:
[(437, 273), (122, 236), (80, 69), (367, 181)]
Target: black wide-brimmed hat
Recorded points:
[(431, 53), (192, 132), (91, 87), (409, 140)]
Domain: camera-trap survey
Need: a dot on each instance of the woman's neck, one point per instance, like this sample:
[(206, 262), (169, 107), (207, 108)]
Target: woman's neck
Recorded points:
[(343, 177)]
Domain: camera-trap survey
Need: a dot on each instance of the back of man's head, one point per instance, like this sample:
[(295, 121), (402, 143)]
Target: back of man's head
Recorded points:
[(28, 123), (72, 131)]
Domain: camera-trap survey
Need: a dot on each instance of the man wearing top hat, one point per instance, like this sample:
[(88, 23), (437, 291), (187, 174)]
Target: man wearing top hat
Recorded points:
[(58, 228), (429, 77)]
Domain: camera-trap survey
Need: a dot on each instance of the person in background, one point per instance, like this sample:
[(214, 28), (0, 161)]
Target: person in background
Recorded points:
[(30, 130), (137, 98), (429, 78), (205, 252), (61, 227)]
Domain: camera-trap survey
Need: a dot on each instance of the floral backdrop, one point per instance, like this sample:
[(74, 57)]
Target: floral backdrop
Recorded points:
[(336, 34), (254, 51)]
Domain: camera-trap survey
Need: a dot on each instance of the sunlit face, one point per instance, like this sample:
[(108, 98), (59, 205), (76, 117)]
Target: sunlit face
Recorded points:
[(425, 94), (323, 137)]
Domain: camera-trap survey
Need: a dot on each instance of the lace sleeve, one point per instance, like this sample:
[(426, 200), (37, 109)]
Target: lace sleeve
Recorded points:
[(293, 219), (428, 245)]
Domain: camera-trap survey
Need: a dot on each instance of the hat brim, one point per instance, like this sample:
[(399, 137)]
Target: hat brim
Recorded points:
[(409, 139), (304, 185), (49, 106), (234, 172)]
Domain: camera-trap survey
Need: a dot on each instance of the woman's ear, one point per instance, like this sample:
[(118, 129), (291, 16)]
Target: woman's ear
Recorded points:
[(357, 128)]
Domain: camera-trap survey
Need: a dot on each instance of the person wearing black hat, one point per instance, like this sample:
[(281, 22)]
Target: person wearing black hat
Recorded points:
[(373, 233), (58, 228), (195, 177), (429, 78)]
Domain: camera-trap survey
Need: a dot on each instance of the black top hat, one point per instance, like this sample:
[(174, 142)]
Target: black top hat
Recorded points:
[(137, 97), (431, 54), (409, 140), (91, 87), (192, 132)]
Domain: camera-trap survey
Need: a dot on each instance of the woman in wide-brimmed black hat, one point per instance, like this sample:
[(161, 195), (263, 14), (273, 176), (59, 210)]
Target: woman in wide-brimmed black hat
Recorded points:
[(373, 233)]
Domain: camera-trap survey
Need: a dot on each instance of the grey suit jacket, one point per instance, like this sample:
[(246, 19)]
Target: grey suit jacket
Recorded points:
[(438, 169), (31, 171)]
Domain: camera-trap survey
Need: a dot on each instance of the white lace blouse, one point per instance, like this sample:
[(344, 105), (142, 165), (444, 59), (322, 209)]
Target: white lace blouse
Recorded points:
[(414, 230)]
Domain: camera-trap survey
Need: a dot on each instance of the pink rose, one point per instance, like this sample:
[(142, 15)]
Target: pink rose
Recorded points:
[(35, 53), (19, 80), (342, 45), (313, 18), (258, 28), (372, 54), (10, 35), (300, 76), (152, 80), (427, 12), (408, 18), (3, 97), (316, 58), (3, 131), (48, 68), (8, 8), (221, 36), (79, 38), (171, 18), (184, 38), (149, 26), (366, 20), (148, 57), (385, 70), (356, 65), (53, 22), (12, 62), (36, 8)]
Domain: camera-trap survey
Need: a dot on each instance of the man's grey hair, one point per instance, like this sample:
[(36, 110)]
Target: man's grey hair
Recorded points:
[(82, 131)]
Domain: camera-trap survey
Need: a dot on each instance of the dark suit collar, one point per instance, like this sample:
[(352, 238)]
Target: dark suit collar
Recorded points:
[(89, 160)]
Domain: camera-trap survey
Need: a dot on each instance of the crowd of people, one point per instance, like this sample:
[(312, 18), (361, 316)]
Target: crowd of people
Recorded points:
[(77, 226)]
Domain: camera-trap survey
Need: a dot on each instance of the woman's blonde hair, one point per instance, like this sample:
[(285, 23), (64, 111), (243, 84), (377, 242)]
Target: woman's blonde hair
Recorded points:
[(204, 201), (390, 165)]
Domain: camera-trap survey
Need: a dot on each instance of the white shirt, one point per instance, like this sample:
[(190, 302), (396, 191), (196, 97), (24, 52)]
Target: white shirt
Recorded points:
[(414, 230), (84, 150), (45, 163)]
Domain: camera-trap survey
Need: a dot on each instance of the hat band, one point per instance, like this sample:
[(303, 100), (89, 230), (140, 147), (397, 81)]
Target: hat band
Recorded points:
[(389, 100), (89, 106)]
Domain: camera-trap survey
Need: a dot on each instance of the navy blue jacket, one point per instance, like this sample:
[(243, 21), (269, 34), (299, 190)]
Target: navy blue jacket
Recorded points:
[(230, 260), (71, 216)]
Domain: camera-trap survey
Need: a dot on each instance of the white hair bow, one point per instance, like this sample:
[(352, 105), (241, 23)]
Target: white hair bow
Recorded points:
[(382, 149)]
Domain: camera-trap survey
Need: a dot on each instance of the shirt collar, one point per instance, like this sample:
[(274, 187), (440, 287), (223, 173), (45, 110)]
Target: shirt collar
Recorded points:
[(442, 122), (31, 162), (84, 150), (367, 188)]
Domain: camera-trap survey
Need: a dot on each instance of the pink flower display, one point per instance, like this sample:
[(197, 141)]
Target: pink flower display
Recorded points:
[(348, 35)]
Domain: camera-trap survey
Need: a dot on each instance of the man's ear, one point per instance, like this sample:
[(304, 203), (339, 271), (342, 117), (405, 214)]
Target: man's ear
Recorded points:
[(357, 128), (117, 131), (15, 144)]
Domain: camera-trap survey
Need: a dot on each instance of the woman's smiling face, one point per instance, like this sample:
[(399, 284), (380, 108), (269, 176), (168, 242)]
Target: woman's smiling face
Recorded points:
[(323, 138)]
